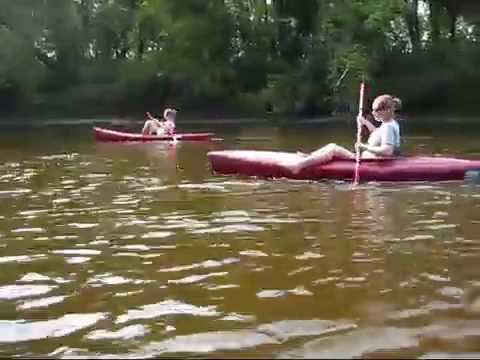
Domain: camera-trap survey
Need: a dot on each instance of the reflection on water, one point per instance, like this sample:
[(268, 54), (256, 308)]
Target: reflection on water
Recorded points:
[(138, 250)]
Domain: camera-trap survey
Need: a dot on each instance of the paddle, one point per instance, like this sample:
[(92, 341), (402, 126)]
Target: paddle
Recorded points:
[(359, 134)]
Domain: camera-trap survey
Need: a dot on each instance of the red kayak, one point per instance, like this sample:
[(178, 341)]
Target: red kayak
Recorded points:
[(269, 164), (113, 135)]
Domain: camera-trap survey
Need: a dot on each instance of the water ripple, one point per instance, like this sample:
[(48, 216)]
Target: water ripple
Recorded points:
[(167, 307), (15, 331), (193, 279), (126, 333), (234, 228), (77, 252), (357, 343), (28, 230), (40, 303), (209, 342), (205, 264), (21, 258), (285, 330), (34, 277), (11, 292)]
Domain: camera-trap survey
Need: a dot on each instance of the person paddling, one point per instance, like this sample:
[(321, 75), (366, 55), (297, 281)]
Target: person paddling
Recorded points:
[(383, 141), (154, 126)]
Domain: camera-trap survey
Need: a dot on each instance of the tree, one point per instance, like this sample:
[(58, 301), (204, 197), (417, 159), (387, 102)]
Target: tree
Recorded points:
[(413, 23), (21, 25), (298, 57)]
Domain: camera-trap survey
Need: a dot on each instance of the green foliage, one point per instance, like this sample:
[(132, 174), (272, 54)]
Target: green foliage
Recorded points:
[(436, 79), (20, 72), (293, 57)]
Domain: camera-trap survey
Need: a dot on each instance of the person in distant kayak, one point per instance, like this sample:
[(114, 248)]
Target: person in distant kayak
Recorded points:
[(383, 141), (154, 126)]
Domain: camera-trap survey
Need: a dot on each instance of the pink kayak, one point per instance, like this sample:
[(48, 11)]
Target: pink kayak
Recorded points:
[(113, 135), (270, 164)]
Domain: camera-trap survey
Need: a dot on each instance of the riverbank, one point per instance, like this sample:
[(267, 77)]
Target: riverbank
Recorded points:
[(190, 119)]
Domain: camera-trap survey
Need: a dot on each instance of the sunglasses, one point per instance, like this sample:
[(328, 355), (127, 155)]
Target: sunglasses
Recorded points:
[(379, 108)]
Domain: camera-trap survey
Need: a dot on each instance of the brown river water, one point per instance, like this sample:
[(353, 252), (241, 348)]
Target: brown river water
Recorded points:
[(138, 250)]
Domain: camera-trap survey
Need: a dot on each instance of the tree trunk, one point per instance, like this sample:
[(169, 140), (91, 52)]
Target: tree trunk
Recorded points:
[(413, 23), (453, 26), (453, 9), (140, 49), (434, 20), (265, 15)]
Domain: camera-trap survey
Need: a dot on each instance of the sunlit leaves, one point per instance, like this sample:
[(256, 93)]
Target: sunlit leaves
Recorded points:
[(291, 54)]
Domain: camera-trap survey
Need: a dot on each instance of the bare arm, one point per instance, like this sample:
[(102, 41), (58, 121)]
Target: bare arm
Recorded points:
[(150, 117)]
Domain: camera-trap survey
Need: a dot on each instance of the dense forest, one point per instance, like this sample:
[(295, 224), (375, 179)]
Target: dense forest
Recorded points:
[(304, 57)]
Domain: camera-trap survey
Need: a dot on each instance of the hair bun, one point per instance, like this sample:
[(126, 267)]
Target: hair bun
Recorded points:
[(397, 103)]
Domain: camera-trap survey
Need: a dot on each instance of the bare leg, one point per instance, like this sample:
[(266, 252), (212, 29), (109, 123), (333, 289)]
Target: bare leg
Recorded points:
[(301, 153), (148, 128), (368, 155), (323, 155)]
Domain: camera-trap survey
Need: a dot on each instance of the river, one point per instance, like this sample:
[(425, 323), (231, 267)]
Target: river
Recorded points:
[(138, 250)]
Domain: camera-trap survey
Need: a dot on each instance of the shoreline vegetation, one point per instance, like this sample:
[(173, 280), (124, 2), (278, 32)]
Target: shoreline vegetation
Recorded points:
[(195, 120), (214, 59)]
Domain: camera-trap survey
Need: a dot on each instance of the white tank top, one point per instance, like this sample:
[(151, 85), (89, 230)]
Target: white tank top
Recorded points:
[(388, 133)]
